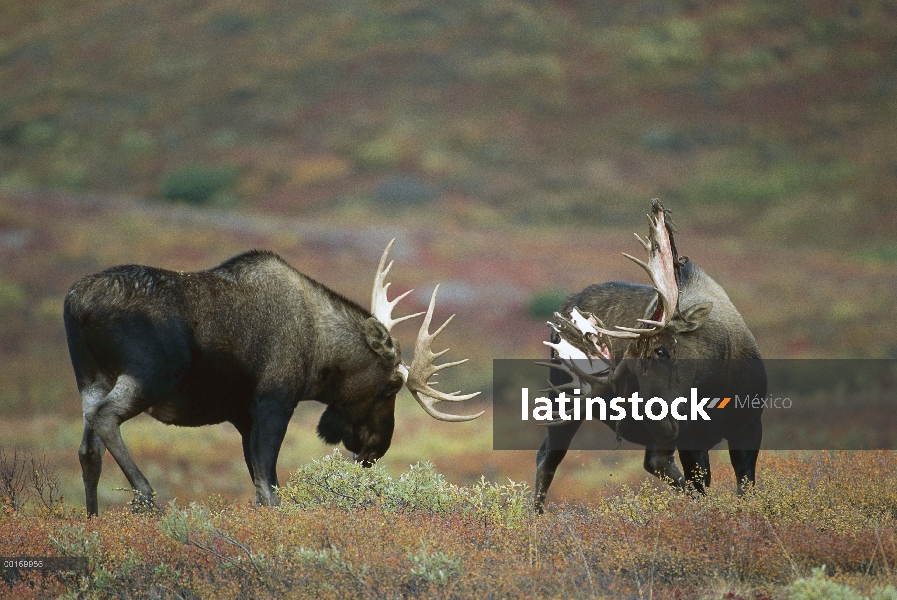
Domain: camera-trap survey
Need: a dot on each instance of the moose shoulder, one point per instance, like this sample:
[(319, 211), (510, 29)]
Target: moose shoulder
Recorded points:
[(242, 343), (660, 340)]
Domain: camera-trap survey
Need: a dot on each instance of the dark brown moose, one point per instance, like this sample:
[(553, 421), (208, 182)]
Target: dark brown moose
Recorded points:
[(243, 343), (660, 340)]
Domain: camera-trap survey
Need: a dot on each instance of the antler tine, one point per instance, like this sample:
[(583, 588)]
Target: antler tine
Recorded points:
[(381, 306), (417, 376), (560, 420), (645, 243), (557, 390), (637, 261), (621, 332), (576, 384), (582, 381)]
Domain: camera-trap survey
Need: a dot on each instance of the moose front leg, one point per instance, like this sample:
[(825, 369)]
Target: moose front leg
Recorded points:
[(696, 464), (244, 427), (269, 426), (661, 462), (552, 451)]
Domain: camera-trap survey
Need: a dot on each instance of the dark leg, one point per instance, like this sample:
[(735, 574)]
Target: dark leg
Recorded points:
[(551, 453), (245, 434), (743, 452), (105, 413), (90, 454), (696, 464), (265, 438), (661, 462)]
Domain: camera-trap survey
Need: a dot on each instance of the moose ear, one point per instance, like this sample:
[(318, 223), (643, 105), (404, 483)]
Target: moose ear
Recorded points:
[(692, 317), (378, 338)]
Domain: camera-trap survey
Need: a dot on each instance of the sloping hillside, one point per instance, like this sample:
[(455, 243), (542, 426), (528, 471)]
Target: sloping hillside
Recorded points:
[(767, 119)]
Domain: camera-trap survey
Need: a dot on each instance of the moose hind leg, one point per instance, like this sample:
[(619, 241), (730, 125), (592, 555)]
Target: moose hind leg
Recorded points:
[(104, 413), (90, 455), (743, 453), (744, 462)]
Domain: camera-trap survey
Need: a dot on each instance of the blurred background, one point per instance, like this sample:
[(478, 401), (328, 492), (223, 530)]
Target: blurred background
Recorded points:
[(512, 147)]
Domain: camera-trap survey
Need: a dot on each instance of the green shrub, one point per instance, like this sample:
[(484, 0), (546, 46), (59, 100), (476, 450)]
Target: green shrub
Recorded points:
[(334, 482), (819, 587), (197, 184), (544, 304), (12, 295), (433, 567)]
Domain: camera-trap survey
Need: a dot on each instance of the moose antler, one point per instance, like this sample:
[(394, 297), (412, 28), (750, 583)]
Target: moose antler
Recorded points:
[(381, 307), (582, 354), (417, 376), (579, 336), (661, 267), (422, 368)]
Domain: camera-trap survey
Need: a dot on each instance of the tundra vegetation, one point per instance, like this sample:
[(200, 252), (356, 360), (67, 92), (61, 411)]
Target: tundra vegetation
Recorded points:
[(822, 525), (769, 125)]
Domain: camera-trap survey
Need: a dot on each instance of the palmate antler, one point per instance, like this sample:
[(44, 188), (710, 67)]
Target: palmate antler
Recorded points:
[(423, 367), (662, 267), (417, 376), (381, 307)]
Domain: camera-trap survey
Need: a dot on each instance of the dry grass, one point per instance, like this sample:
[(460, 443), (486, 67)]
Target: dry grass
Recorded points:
[(396, 540)]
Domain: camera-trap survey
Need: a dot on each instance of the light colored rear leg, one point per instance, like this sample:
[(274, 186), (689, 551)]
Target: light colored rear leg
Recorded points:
[(90, 454), (105, 413)]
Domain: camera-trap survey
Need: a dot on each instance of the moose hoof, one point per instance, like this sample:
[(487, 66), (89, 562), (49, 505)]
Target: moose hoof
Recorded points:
[(143, 503)]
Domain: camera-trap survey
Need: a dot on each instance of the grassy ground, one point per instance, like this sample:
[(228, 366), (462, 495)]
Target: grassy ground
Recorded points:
[(819, 526)]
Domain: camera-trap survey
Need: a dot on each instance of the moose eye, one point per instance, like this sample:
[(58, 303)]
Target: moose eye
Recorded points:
[(661, 353)]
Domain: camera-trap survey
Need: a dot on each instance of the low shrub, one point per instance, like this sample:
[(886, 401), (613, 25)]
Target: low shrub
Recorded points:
[(819, 587), (545, 303), (335, 482), (197, 184)]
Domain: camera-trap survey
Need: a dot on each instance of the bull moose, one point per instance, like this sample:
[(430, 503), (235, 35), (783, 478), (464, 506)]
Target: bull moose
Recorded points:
[(242, 343), (682, 332)]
